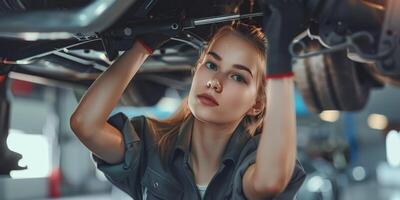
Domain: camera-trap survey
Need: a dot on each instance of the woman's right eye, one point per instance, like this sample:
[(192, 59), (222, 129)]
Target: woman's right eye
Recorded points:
[(211, 65)]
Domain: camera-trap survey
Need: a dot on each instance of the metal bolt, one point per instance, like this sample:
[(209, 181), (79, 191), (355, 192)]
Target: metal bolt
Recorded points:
[(155, 185), (175, 26), (128, 31), (340, 28)]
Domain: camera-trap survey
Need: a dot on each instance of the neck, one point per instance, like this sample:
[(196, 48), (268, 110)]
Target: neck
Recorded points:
[(208, 143)]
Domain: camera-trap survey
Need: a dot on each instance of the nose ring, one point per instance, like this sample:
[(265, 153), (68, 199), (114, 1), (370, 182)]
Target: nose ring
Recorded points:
[(209, 84), (213, 84)]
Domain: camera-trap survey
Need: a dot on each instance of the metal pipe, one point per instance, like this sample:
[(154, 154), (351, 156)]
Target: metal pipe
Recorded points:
[(57, 24), (224, 18)]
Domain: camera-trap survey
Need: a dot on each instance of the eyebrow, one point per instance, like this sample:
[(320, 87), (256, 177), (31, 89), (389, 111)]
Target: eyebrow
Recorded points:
[(237, 66)]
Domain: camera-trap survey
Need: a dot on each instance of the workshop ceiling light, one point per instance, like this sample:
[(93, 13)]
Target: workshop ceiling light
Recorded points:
[(377, 121), (35, 151), (329, 115)]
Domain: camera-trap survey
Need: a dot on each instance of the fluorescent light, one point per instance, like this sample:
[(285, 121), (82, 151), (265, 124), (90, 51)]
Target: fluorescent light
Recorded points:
[(393, 148), (35, 152), (377, 121), (329, 115)]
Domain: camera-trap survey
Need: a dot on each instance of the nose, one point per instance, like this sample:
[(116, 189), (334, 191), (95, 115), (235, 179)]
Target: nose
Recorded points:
[(215, 84)]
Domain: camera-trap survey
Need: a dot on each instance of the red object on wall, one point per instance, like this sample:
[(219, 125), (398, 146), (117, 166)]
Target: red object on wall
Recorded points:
[(21, 88), (2, 78), (54, 182)]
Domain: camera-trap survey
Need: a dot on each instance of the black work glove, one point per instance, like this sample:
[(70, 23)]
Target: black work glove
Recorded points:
[(283, 21), (154, 40)]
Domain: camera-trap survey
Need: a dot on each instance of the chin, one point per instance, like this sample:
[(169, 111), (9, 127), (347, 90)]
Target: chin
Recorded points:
[(204, 115), (201, 113)]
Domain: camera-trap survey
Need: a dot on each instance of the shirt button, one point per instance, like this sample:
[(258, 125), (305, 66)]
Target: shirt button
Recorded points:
[(155, 185)]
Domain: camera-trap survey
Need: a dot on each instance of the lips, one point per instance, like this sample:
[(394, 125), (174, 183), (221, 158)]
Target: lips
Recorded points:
[(207, 100)]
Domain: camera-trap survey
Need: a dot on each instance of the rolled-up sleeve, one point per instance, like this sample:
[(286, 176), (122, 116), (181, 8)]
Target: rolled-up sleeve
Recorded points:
[(237, 184), (288, 194), (126, 175)]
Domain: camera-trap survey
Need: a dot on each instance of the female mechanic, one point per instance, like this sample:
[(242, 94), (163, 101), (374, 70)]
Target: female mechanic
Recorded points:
[(233, 137)]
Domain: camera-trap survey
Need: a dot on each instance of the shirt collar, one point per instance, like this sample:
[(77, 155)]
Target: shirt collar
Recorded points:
[(232, 150)]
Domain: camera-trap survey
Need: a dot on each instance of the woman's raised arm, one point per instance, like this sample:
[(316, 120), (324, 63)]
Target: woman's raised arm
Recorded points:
[(89, 120), (276, 152)]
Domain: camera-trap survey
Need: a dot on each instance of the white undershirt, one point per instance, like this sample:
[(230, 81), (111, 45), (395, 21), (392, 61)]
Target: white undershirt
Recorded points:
[(202, 190)]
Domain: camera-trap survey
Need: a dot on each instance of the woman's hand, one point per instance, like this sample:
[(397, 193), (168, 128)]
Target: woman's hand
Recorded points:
[(153, 41), (283, 21)]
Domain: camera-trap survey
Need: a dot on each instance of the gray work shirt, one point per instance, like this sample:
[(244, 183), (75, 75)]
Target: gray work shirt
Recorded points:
[(140, 173)]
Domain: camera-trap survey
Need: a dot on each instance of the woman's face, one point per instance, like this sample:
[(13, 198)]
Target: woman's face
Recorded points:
[(228, 74)]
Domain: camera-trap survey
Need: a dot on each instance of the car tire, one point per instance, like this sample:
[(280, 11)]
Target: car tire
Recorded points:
[(332, 82)]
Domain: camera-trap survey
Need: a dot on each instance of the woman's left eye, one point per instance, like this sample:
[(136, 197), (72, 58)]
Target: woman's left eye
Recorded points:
[(238, 78)]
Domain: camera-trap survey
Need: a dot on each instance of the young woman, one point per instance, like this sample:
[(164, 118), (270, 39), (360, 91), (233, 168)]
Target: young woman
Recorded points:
[(233, 137)]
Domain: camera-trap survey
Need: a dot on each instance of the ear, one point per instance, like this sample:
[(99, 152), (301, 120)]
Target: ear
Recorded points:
[(255, 109)]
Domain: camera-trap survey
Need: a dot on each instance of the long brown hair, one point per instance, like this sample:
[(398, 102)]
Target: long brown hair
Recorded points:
[(165, 131)]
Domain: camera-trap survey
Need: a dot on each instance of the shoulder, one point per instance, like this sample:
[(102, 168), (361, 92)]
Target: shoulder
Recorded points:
[(127, 174)]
